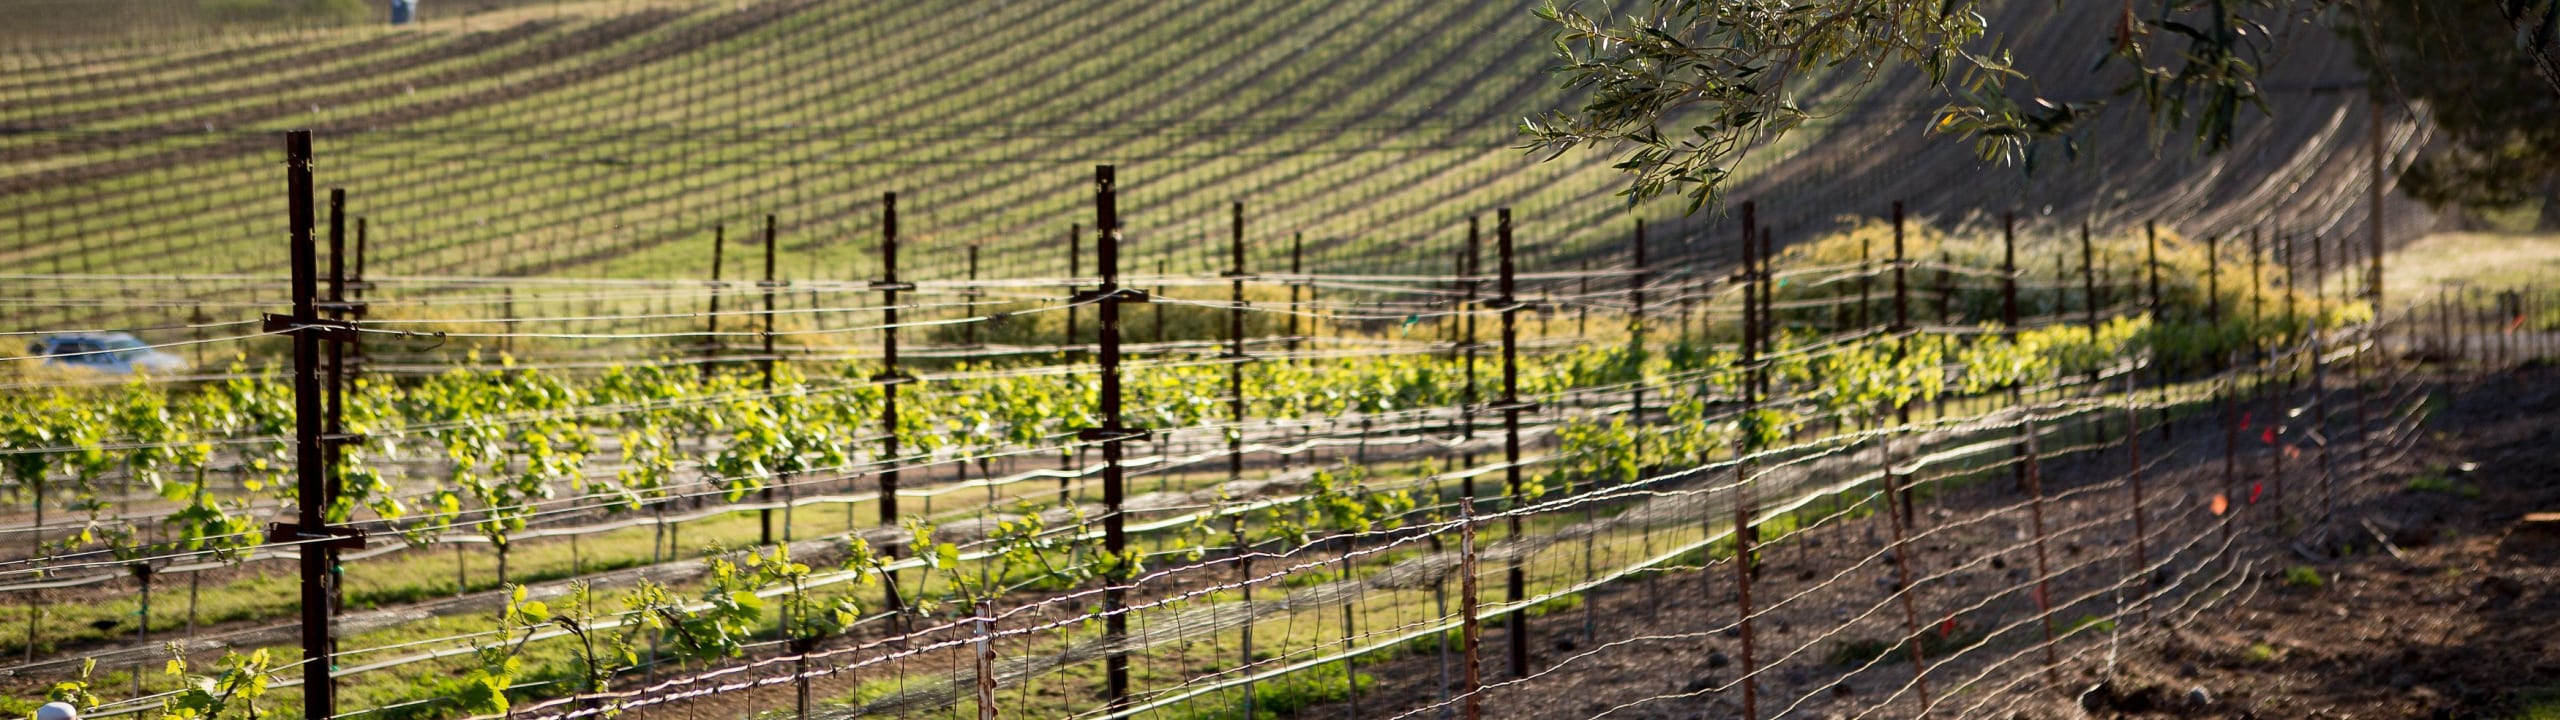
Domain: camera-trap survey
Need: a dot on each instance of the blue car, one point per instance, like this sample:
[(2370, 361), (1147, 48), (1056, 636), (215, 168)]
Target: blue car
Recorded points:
[(105, 352)]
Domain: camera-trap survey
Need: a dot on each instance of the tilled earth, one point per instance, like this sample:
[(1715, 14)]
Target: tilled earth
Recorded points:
[(2436, 598), (2458, 617)]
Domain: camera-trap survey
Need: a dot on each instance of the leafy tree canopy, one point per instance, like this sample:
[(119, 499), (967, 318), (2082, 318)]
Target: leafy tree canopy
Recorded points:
[(1685, 88), (2501, 146)]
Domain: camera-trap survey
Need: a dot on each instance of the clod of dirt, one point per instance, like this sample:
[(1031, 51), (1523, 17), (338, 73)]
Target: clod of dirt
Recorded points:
[(2498, 591), (1717, 660), (2198, 697), (2113, 698)]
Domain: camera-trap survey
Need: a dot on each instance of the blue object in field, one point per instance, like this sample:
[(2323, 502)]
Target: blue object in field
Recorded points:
[(117, 353), (402, 11)]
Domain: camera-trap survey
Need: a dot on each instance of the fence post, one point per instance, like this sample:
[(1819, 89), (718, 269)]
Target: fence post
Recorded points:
[(2151, 302), (1516, 578), (335, 305), (986, 656), (1636, 331), (355, 291), (311, 470), (2089, 310), (1467, 268), (1235, 347), (1235, 438), (889, 379), (711, 321), (1115, 538), (969, 331), (2009, 331), (2212, 280), (1768, 302), (2044, 601), (334, 438), (1866, 280), (1470, 629), (2089, 280), (1075, 261), (1897, 497), (1067, 466), (1755, 307), (1635, 297), (1297, 246), (764, 369), (1902, 345)]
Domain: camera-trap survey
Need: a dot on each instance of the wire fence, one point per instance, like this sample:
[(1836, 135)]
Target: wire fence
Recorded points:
[(1816, 469)]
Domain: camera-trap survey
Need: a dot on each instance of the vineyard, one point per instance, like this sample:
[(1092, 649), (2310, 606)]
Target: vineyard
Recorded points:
[(813, 359), (1342, 475)]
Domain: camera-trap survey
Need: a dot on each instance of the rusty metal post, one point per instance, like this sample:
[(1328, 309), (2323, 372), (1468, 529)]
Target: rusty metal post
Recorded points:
[(1467, 399), (1113, 433), (1901, 331), (1297, 257), (889, 380), (1898, 497), (764, 369), (1515, 577), (969, 331), (2089, 281), (1636, 328), (1235, 346), (1755, 329), (311, 470), (711, 322), (2152, 302), (2044, 598), (1470, 628)]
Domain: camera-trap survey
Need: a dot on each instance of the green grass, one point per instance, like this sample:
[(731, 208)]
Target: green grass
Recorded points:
[(2542, 703), (2304, 576), (2489, 260), (2261, 653), (2435, 482)]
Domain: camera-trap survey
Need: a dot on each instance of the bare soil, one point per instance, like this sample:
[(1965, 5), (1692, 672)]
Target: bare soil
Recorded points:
[(2439, 601)]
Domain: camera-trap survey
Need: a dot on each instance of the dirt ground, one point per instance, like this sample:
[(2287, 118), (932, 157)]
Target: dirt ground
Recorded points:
[(2448, 606), (2458, 618)]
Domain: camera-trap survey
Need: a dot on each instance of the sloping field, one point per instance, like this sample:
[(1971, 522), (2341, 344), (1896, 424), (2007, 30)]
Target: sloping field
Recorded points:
[(609, 139)]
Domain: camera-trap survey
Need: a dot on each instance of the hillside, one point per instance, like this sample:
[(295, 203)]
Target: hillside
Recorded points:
[(609, 139)]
